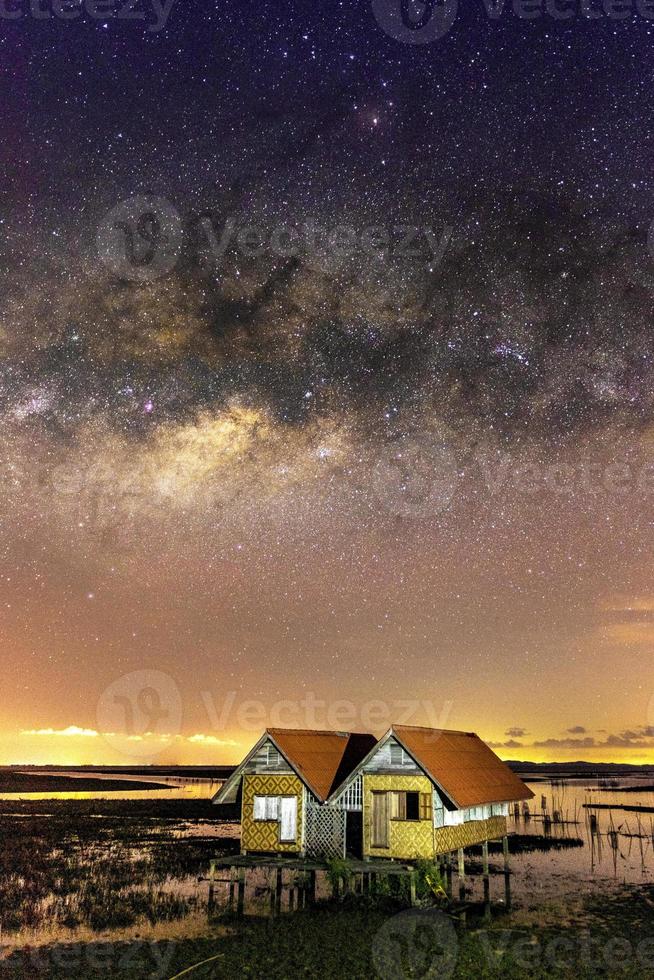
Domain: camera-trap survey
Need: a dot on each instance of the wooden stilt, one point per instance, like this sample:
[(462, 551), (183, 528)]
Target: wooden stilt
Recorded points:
[(240, 907), (312, 888), (507, 872), (230, 903), (448, 875), (462, 875), (484, 857), (212, 876), (412, 890), (278, 892), (365, 883)]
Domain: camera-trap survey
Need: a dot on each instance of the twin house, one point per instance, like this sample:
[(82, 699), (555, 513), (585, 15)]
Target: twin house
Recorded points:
[(414, 793)]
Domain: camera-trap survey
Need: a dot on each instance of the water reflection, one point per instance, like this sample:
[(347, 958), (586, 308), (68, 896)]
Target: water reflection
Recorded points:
[(614, 845)]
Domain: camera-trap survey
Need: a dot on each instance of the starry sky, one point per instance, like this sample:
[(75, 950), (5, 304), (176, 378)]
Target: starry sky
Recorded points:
[(326, 381)]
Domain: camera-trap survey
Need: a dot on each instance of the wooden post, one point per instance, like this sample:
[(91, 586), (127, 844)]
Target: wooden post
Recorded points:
[(462, 875), (412, 888), (312, 888), (230, 905), (448, 875), (278, 892), (484, 858), (507, 872), (365, 883), (212, 875), (240, 906)]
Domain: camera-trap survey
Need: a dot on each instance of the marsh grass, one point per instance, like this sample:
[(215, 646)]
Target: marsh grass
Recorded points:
[(94, 866)]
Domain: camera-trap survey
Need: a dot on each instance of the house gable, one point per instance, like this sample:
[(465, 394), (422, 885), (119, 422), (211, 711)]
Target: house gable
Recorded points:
[(264, 758)]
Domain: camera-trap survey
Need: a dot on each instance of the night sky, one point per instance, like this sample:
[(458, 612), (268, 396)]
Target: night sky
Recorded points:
[(327, 372)]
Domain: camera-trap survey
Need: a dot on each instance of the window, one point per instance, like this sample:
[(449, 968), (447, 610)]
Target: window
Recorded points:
[(266, 807), (398, 755), (281, 810), (410, 806), (271, 757), (453, 818)]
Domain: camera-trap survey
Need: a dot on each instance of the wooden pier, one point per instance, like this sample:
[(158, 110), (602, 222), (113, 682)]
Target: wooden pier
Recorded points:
[(297, 876)]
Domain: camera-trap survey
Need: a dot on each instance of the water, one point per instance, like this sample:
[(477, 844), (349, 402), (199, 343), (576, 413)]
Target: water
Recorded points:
[(600, 862), (196, 791), (619, 852)]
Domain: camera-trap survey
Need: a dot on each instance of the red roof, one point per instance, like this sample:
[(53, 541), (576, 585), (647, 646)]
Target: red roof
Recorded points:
[(322, 759), (463, 766)]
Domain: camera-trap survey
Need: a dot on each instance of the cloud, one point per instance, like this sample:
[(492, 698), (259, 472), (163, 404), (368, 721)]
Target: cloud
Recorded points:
[(200, 739), (576, 730), (566, 743), (509, 744), (73, 731), (516, 732), (641, 737)]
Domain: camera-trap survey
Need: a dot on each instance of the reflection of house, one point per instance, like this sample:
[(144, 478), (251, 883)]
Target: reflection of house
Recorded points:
[(417, 792)]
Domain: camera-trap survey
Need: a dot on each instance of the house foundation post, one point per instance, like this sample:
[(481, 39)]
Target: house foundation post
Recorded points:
[(507, 872), (212, 875), (462, 875), (240, 906), (278, 892), (448, 875), (484, 858)]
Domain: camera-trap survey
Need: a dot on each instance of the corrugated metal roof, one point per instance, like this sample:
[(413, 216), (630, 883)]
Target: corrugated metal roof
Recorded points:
[(465, 768), (322, 759)]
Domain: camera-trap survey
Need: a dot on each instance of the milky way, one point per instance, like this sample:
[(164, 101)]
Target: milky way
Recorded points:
[(379, 424)]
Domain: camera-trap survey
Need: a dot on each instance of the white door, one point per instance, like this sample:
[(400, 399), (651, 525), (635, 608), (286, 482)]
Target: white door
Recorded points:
[(288, 818)]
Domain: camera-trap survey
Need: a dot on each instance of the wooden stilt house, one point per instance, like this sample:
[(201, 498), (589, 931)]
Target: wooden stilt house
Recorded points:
[(283, 785), (416, 792)]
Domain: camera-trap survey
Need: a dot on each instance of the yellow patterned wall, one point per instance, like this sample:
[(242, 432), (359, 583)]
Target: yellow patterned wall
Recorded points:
[(263, 835), (407, 838), (467, 834)]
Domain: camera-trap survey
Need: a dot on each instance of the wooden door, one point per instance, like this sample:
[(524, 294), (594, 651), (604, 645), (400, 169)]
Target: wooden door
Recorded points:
[(380, 820)]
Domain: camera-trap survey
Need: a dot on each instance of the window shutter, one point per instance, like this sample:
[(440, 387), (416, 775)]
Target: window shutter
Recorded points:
[(259, 808), (398, 805), (425, 806)]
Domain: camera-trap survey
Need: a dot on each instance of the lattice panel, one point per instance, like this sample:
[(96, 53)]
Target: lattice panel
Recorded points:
[(263, 835), (467, 834), (325, 831)]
